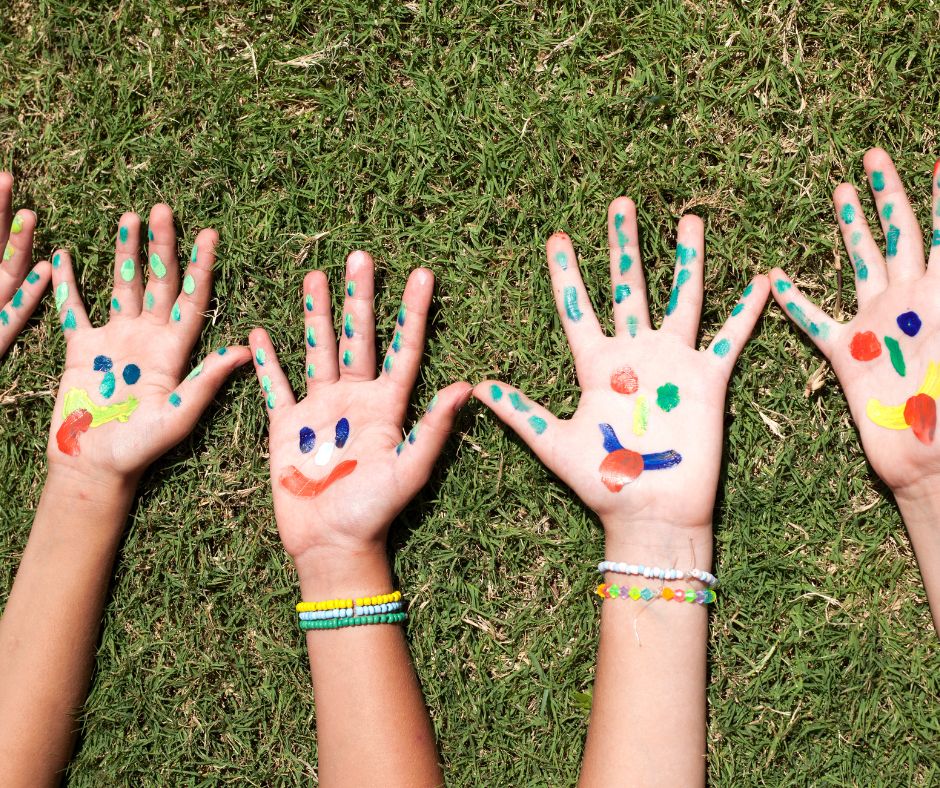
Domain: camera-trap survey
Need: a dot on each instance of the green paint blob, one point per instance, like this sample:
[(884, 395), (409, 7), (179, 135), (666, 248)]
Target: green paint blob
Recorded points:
[(128, 270), (396, 341), (149, 300), (738, 309), (632, 324), (820, 330), (570, 297), (175, 313), (892, 236), (347, 358), (887, 210), (16, 226), (266, 383), (196, 371), (311, 370), (308, 302), (387, 365), (61, 294), (122, 234), (4, 317), (350, 288), (432, 404), (175, 400), (897, 357), (621, 293), (515, 399), (115, 305), (935, 241), (861, 270), (18, 298), (685, 254), (260, 356), (721, 348), (667, 396), (748, 290), (562, 259), (56, 260), (856, 238), (157, 266), (311, 336), (69, 322), (783, 285), (189, 284), (496, 393), (402, 314), (625, 262), (681, 278), (538, 424), (32, 277), (348, 329), (878, 180), (194, 254), (847, 213)]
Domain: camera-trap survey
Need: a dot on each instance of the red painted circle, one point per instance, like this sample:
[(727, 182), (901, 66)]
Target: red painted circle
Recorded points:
[(624, 380), (865, 346), (621, 467)]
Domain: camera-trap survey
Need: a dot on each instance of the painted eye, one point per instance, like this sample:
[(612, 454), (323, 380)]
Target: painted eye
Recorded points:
[(307, 440), (102, 364), (131, 374), (342, 433)]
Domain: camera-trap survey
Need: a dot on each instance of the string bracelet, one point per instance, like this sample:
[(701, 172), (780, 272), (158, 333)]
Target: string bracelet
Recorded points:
[(611, 591), (354, 621), (658, 573)]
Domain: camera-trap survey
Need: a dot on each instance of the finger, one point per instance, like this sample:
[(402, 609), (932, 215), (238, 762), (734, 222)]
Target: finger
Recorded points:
[(16, 312), (6, 207), (422, 446), (17, 253), (163, 274), (403, 358), (571, 300), (319, 339), (731, 339), (935, 213), (191, 397), (128, 293), (274, 385), (68, 303), (904, 245), (631, 310), (529, 420), (189, 311), (357, 337), (817, 325), (871, 276), (684, 308)]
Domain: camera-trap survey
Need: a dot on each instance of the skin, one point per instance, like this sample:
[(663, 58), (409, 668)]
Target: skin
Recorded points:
[(898, 284), (661, 518), (13, 272), (362, 676), (49, 627)]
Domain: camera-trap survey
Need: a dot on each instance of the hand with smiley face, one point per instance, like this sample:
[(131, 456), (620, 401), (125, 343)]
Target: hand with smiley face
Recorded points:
[(125, 396)]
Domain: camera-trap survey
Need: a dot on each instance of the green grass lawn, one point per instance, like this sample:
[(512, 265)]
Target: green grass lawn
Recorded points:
[(459, 136)]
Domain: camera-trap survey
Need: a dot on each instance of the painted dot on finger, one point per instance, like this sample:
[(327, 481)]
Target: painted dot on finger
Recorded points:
[(311, 371), (4, 317), (128, 270), (18, 298), (562, 260), (618, 227), (175, 313), (518, 403), (878, 180), (115, 305), (621, 293), (348, 325), (195, 372), (16, 226), (748, 290), (396, 341), (122, 234), (892, 237), (32, 277), (189, 284), (935, 240), (722, 347), (149, 300), (222, 350), (8, 252), (149, 233), (175, 400), (350, 288), (402, 314), (848, 213), (311, 336), (347, 358), (56, 260), (861, 270), (625, 262), (496, 393), (887, 210), (260, 356), (783, 285), (633, 325), (387, 365), (194, 254), (61, 294), (308, 302), (131, 374), (157, 266), (69, 322), (572, 309), (738, 309)]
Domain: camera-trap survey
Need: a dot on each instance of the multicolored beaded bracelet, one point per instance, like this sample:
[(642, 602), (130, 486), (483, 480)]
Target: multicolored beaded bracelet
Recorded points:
[(349, 612), (335, 604), (659, 574), (610, 591), (355, 621)]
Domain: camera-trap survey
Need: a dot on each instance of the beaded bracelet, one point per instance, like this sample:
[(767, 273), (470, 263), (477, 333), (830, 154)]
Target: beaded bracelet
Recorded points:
[(355, 621), (334, 604), (610, 591), (660, 574), (349, 612)]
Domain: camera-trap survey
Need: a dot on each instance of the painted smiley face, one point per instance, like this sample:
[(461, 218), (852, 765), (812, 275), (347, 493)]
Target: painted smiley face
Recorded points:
[(919, 411), (622, 466), (298, 483)]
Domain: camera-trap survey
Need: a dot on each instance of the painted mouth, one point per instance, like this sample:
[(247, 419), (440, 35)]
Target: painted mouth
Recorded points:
[(80, 414), (919, 412), (301, 485), (621, 466)]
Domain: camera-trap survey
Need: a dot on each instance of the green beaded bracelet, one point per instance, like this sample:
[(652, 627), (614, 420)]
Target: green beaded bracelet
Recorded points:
[(336, 623)]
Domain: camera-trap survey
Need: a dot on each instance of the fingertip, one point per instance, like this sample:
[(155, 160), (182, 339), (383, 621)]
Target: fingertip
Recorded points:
[(875, 158), (44, 269), (623, 206), (237, 355), (314, 280), (6, 181), (691, 223), (207, 237), (258, 336), (358, 259), (844, 192), (161, 216), (422, 276)]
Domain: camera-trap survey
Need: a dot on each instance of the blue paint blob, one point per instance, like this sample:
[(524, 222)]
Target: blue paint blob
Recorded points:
[(909, 323), (131, 374), (611, 442), (660, 460), (107, 385), (103, 364), (935, 240), (562, 259), (307, 440), (342, 433), (722, 348)]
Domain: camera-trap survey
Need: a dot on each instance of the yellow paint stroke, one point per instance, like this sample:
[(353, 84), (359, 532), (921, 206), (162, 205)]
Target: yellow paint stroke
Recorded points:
[(641, 414), (78, 399), (892, 416)]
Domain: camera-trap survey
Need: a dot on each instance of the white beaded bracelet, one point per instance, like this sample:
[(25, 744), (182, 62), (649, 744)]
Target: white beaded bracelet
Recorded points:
[(660, 574)]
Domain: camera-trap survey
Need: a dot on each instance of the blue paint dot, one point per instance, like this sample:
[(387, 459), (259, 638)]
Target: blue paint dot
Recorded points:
[(307, 439), (342, 433), (131, 374), (909, 323), (103, 364), (175, 400), (222, 351), (722, 347)]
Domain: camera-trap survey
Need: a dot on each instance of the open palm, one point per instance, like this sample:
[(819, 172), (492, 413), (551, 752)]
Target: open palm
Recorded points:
[(121, 403), (645, 442), (340, 468), (887, 358)]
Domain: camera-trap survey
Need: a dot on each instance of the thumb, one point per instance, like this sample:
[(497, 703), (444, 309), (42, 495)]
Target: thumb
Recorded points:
[(531, 422), (420, 449)]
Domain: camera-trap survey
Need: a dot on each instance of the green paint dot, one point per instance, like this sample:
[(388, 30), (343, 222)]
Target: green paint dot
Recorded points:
[(893, 236), (122, 234), (783, 285), (271, 399), (518, 403), (157, 266), (625, 262), (538, 424), (861, 270), (175, 400), (16, 226), (632, 325), (738, 309), (194, 254), (350, 288), (115, 305), (667, 396), (348, 325), (32, 277), (149, 233), (387, 365), (149, 300), (260, 357), (402, 314), (433, 403), (56, 260), (848, 213), (4, 317), (61, 294), (175, 313), (347, 358), (396, 341), (196, 371), (856, 238), (69, 322), (621, 293), (128, 270), (189, 284), (266, 383), (8, 252), (878, 180), (897, 356), (496, 393), (887, 210), (935, 240), (681, 278), (685, 254), (722, 348), (108, 382), (18, 298), (562, 259), (308, 302), (748, 290), (222, 351), (311, 336), (311, 370)]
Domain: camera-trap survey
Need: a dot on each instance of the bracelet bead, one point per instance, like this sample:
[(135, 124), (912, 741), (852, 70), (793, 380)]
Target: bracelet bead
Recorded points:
[(355, 621), (611, 591), (658, 573)]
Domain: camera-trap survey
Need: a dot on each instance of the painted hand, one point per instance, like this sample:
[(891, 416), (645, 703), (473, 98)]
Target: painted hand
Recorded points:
[(644, 446), (887, 357), (121, 402), (20, 289), (340, 468)]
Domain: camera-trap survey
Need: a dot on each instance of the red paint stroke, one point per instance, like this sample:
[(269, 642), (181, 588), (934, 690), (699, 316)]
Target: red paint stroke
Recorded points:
[(865, 346), (77, 422), (936, 168), (920, 411), (624, 381), (297, 483), (620, 467)]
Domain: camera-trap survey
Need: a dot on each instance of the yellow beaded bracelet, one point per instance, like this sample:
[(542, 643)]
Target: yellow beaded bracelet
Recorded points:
[(336, 604)]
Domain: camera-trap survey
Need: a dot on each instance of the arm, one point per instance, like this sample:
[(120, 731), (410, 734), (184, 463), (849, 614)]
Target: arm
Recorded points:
[(643, 451), (120, 405), (340, 473), (887, 357)]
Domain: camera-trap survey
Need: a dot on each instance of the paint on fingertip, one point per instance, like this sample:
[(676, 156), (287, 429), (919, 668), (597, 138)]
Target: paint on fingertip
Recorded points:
[(402, 314), (347, 358), (342, 432), (396, 341), (909, 323), (189, 284), (538, 424), (387, 365), (350, 288), (621, 293), (308, 302), (861, 270), (896, 355), (61, 294), (562, 260), (18, 298), (32, 277), (633, 325), (570, 297), (496, 393), (892, 237), (311, 371), (311, 336), (348, 326), (877, 180), (518, 403), (260, 356), (721, 348), (682, 277), (399, 447), (308, 439), (175, 313), (157, 266), (624, 380), (847, 213), (131, 374), (115, 305), (56, 260), (69, 322), (641, 415), (122, 234), (4, 317), (783, 285), (270, 400), (16, 226), (106, 387), (667, 397), (820, 330), (194, 254), (685, 254), (149, 300), (175, 400), (864, 346)]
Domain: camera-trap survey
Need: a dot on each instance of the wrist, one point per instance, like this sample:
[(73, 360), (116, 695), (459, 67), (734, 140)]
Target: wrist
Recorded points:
[(91, 485), (658, 543), (919, 503), (340, 573)]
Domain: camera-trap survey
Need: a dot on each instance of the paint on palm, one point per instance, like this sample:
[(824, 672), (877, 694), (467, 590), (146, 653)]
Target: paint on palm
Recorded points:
[(919, 411), (622, 466), (624, 380), (298, 483)]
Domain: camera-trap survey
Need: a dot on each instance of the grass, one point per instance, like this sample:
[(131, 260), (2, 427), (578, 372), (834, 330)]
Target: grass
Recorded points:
[(459, 135)]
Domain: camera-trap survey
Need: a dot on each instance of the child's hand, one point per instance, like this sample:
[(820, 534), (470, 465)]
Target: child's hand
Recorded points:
[(121, 402), (888, 357), (20, 289), (644, 446), (341, 469)]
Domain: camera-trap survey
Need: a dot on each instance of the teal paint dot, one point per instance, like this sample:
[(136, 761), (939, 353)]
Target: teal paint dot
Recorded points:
[(175, 400), (685, 254), (128, 270), (69, 322), (433, 403), (618, 227), (402, 314), (260, 357), (893, 236), (348, 326), (632, 325), (266, 383), (413, 435), (18, 298), (350, 288), (748, 290), (108, 382), (194, 254), (621, 293), (538, 424), (149, 300), (878, 180), (396, 341), (308, 303), (149, 233), (681, 278), (856, 238), (496, 393), (61, 294), (783, 285), (562, 259), (189, 284), (518, 403), (738, 309), (721, 348), (32, 277), (56, 260), (4, 317), (820, 330), (175, 313), (271, 400), (570, 297), (311, 371), (347, 358), (861, 270), (887, 210), (848, 213), (196, 371), (122, 234), (625, 262), (157, 266), (387, 365), (115, 305), (311, 336), (222, 351), (936, 238)]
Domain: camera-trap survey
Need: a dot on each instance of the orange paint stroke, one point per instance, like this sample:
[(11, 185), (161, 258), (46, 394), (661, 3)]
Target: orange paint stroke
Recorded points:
[(620, 467), (77, 422), (920, 411), (303, 486)]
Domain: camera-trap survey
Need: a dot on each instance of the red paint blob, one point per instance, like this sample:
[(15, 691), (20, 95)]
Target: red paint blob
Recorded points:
[(77, 422), (621, 467), (920, 411), (865, 346), (297, 483), (624, 381)]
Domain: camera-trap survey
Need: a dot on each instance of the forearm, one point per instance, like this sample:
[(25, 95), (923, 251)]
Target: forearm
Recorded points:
[(648, 713), (50, 625), (372, 724), (920, 508)]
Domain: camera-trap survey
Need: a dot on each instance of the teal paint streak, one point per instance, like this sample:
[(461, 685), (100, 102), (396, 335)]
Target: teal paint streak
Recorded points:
[(311, 336), (515, 399), (571, 304), (61, 294), (149, 300), (347, 358), (387, 366), (685, 254), (32, 277), (618, 227), (311, 371), (115, 305), (194, 254), (861, 270), (625, 262), (538, 424), (396, 341), (496, 393), (897, 356), (562, 259), (682, 277), (936, 238), (69, 322), (122, 234), (348, 326), (738, 309), (887, 210), (175, 400), (56, 260), (893, 236), (847, 213), (308, 302), (632, 325), (813, 329), (783, 285), (621, 293), (107, 385), (175, 313), (748, 290), (721, 348), (878, 180), (260, 356), (18, 298)]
